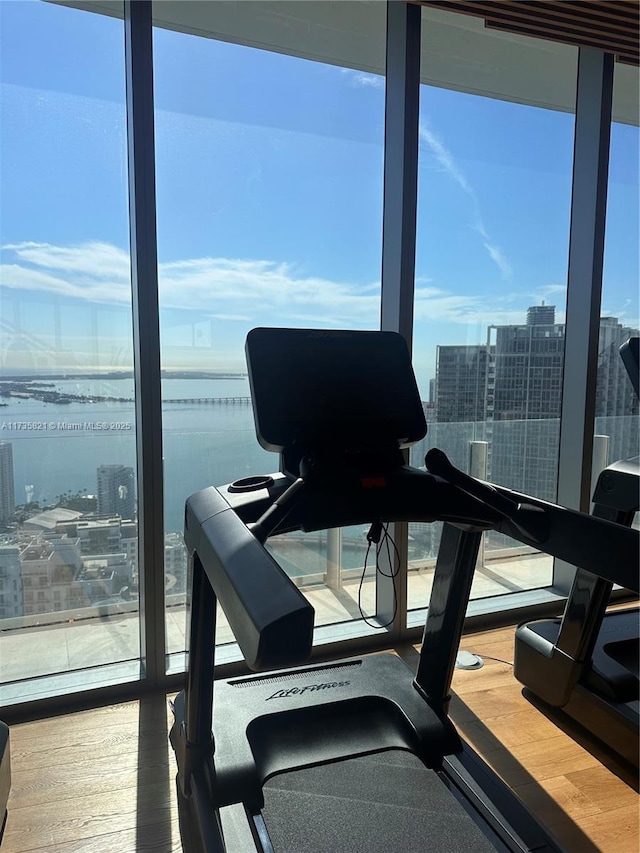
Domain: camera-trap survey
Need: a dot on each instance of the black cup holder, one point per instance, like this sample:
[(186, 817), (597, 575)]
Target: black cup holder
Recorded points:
[(251, 484)]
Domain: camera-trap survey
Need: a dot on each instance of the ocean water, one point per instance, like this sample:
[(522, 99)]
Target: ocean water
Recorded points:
[(64, 445)]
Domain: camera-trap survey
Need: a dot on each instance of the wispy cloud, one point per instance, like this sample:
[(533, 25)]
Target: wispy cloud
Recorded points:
[(499, 259), (95, 258), (18, 276), (235, 289), (447, 163), (238, 318), (436, 305), (226, 288), (94, 271), (362, 80), (444, 158), (550, 291)]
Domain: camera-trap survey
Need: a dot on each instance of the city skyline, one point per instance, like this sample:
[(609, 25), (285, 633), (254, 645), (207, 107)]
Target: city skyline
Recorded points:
[(474, 385), (60, 560)]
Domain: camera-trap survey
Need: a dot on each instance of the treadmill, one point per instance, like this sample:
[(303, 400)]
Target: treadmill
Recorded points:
[(5, 775), (586, 663), (356, 754)]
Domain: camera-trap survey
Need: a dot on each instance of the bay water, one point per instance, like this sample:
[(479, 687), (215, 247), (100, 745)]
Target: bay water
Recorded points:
[(57, 448)]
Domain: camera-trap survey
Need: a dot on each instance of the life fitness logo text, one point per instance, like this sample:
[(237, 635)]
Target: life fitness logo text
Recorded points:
[(308, 688)]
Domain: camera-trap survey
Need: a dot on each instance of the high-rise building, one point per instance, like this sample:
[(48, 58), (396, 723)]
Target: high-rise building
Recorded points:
[(514, 385), (462, 374), (525, 401), (7, 495), (116, 491), (10, 582), (528, 368), (614, 395), (541, 315)]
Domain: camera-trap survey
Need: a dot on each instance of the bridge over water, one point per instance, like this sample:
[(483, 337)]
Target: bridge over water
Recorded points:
[(212, 401)]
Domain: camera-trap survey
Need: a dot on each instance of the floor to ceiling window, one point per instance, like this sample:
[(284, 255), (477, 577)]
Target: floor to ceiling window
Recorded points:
[(269, 183), (616, 426), (269, 146), (494, 194), (68, 506)]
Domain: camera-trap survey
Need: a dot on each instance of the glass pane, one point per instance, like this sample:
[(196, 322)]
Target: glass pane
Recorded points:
[(269, 179), (616, 427), (492, 242), (68, 548)]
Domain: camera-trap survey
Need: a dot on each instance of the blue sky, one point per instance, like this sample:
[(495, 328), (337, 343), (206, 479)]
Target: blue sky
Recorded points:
[(269, 186)]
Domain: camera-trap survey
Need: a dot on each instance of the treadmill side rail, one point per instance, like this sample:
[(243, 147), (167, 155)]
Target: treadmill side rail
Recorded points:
[(269, 616)]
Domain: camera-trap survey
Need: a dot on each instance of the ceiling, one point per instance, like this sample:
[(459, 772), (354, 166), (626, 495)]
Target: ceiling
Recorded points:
[(459, 51), (609, 25)]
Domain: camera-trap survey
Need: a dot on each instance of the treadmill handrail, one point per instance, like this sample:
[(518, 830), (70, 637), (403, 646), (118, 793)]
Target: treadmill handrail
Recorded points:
[(408, 494), (270, 618), (595, 544)]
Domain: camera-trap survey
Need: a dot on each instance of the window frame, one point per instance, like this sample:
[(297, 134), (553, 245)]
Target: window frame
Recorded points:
[(590, 173)]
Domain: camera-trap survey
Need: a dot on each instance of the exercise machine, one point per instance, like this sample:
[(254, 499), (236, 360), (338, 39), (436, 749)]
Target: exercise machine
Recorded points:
[(586, 663), (351, 755), (5, 775)]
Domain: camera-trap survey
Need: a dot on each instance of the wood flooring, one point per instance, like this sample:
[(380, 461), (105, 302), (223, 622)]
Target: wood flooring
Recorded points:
[(102, 781), (579, 791)]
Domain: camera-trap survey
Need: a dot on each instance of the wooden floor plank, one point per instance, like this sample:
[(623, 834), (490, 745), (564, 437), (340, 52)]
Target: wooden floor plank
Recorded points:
[(153, 838), (509, 730), (596, 783), (92, 815), (564, 784), (615, 830), (35, 786)]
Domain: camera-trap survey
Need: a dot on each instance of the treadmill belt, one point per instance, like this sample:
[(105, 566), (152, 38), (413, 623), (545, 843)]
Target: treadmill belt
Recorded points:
[(382, 803)]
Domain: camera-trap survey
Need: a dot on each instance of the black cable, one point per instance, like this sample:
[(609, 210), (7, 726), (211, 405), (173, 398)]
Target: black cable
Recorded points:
[(379, 533), (499, 660)]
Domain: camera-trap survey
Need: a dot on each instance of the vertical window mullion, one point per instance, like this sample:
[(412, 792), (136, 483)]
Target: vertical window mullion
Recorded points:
[(399, 238), (584, 284), (146, 333)]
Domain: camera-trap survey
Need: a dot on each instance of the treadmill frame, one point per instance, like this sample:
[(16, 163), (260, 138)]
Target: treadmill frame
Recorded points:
[(494, 805)]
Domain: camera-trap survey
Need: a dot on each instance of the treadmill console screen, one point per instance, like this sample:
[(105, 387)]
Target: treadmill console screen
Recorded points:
[(320, 389)]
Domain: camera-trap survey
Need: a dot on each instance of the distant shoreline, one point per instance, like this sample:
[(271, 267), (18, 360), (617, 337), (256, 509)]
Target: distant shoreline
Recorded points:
[(125, 374), (19, 388)]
